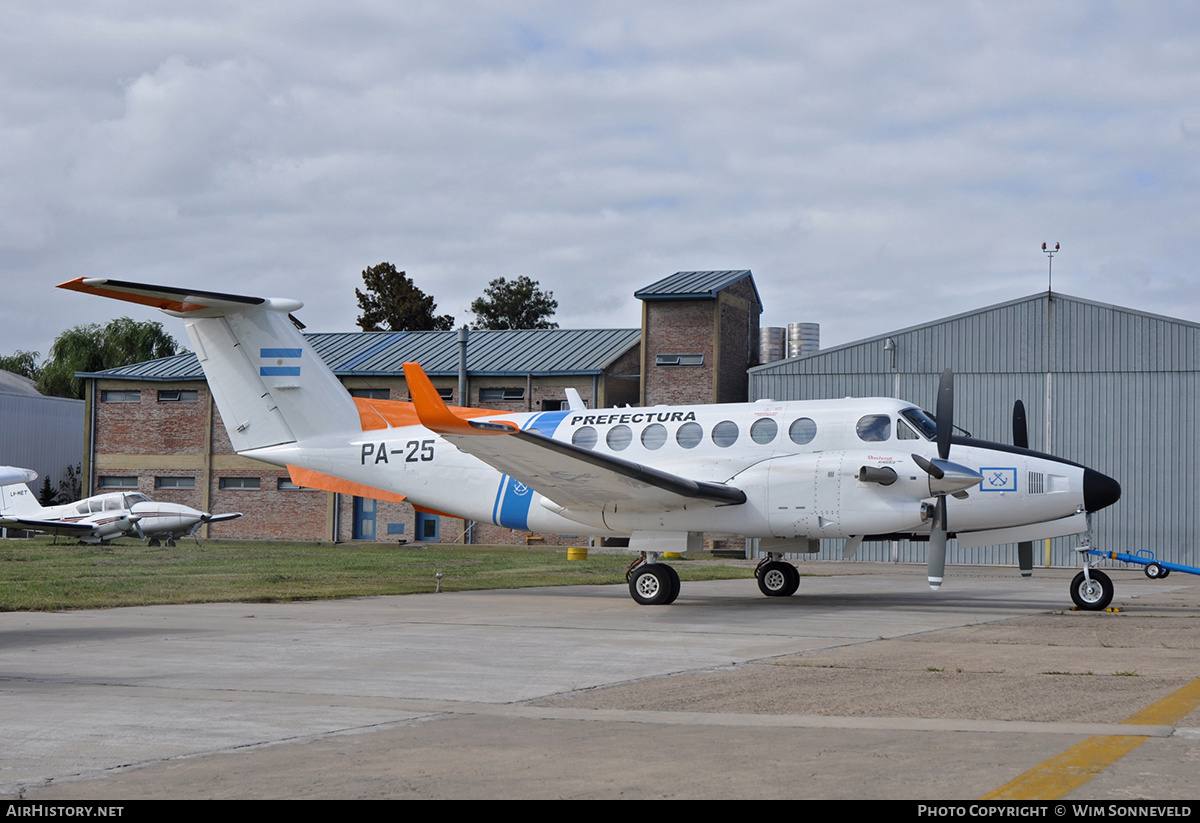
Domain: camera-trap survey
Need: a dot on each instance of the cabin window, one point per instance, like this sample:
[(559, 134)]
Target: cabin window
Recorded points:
[(654, 436), (121, 396), (619, 438), (725, 433), (802, 431), (372, 394), (584, 437), (109, 482), (178, 395), (689, 435), (240, 483), (764, 430), (174, 482), (874, 428)]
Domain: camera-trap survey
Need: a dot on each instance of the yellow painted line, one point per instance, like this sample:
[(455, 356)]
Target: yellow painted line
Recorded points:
[(1079, 764)]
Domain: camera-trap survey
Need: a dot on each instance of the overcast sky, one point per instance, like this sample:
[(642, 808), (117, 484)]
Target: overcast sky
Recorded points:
[(875, 165)]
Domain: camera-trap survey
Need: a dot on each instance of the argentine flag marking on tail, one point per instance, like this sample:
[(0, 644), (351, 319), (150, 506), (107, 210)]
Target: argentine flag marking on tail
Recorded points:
[(282, 362)]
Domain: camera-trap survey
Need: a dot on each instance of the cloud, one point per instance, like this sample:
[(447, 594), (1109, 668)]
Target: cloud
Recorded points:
[(875, 165)]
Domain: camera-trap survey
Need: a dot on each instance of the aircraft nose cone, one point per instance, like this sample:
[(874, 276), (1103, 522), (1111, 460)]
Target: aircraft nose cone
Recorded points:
[(1099, 490)]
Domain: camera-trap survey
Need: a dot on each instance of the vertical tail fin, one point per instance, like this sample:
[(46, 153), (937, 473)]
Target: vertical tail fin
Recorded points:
[(269, 384), (15, 497)]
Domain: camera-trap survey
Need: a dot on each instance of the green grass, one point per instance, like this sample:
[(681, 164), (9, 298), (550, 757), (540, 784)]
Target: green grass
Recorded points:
[(36, 575)]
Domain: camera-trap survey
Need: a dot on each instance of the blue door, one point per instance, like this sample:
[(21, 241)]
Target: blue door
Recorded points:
[(427, 526), (364, 518)]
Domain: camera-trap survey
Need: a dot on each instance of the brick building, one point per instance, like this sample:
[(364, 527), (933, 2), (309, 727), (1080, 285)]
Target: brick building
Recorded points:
[(153, 427), (699, 336)]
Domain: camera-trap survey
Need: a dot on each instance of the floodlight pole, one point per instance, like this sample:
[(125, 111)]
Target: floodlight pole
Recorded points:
[(1050, 252)]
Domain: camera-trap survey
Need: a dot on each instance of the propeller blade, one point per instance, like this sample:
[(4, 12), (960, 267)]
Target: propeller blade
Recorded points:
[(1020, 428), (936, 555), (1025, 558), (945, 413)]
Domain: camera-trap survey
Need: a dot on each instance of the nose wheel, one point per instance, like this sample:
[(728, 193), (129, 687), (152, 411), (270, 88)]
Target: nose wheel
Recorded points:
[(1092, 591)]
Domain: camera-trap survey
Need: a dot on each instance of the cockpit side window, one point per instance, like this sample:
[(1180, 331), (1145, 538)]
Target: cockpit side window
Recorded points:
[(874, 428), (905, 432), (922, 421)]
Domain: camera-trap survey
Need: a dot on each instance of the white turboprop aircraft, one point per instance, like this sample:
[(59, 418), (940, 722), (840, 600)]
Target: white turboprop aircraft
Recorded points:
[(100, 518), (787, 473)]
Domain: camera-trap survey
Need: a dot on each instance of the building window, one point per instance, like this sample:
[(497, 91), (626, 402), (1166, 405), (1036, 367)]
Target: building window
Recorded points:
[(174, 482), (239, 483), (117, 482), (446, 394), (372, 394), (500, 395), (121, 396), (178, 395), (286, 485), (679, 360)]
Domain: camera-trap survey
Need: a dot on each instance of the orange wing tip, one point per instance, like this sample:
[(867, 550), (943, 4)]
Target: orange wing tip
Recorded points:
[(310, 479), (436, 416)]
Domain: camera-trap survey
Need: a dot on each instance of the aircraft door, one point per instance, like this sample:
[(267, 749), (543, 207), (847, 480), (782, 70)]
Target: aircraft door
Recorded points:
[(792, 495)]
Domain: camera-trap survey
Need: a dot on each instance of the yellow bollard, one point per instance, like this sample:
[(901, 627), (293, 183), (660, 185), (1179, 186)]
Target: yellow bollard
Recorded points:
[(576, 554)]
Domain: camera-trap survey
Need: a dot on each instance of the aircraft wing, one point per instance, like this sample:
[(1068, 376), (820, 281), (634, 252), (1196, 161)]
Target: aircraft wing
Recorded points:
[(48, 526), (571, 476)]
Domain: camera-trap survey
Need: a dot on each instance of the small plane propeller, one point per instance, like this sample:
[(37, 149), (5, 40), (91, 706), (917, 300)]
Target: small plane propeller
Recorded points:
[(946, 478), (1021, 441)]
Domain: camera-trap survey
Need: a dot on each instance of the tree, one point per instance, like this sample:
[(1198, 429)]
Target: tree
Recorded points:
[(516, 305), (23, 363), (394, 303), (94, 348), (47, 496)]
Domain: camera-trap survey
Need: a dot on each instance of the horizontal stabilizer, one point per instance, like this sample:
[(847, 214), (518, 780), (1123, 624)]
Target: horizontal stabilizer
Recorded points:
[(167, 298)]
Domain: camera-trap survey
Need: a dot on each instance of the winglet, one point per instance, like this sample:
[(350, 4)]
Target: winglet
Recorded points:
[(436, 416)]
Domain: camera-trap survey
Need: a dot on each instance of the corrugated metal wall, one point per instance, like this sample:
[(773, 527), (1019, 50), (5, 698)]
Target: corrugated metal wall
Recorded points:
[(1111, 388), (41, 433)]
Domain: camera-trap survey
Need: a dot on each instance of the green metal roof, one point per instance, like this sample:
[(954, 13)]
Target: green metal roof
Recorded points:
[(695, 285), (539, 352)]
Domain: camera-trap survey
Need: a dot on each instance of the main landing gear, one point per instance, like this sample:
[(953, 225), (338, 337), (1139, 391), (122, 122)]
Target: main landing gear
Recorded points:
[(652, 583), (777, 578)]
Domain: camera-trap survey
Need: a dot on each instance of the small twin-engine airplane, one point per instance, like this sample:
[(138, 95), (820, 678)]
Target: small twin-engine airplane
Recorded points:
[(100, 518), (787, 473)]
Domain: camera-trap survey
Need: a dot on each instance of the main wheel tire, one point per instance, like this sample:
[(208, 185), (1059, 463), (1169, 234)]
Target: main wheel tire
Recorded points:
[(1165, 572), (650, 585), (1154, 571), (675, 584), (793, 579), (774, 579), (1092, 595)]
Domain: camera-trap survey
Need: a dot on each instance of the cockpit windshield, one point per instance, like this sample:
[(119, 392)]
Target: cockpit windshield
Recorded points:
[(922, 421)]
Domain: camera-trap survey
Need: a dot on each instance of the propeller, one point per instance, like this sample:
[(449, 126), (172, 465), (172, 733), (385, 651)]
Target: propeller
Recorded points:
[(945, 478), (134, 519), (1021, 441)]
